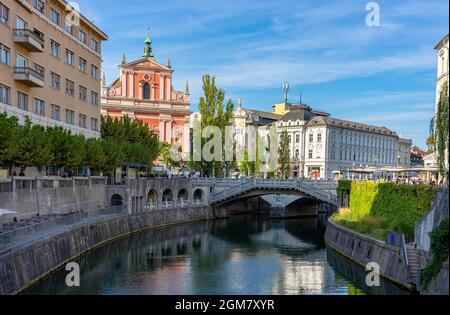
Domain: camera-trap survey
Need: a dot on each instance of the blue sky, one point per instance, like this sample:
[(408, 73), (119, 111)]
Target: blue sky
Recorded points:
[(378, 75)]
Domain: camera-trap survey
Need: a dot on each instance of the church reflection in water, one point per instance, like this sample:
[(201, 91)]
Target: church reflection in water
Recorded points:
[(245, 254)]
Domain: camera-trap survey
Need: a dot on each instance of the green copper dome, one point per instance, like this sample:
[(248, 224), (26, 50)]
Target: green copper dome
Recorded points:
[(148, 53)]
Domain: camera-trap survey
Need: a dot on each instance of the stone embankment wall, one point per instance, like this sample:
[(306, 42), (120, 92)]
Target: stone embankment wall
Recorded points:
[(22, 267), (363, 249), (26, 196)]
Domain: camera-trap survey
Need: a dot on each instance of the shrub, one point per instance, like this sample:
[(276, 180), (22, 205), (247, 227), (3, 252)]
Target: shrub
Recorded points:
[(439, 249)]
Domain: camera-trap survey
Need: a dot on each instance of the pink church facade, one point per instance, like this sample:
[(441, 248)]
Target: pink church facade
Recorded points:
[(144, 92)]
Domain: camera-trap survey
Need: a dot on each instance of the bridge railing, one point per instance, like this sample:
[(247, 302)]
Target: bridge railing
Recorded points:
[(48, 227), (310, 187)]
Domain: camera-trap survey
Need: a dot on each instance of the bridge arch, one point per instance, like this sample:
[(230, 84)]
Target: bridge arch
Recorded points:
[(152, 196), (183, 194), (199, 194), (116, 200), (167, 195)]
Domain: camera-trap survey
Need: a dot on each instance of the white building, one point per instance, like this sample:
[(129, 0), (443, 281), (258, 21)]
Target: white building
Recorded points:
[(404, 152), (324, 147)]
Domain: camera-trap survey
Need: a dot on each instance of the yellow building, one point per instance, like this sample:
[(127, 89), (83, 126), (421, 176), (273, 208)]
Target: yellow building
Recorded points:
[(50, 65)]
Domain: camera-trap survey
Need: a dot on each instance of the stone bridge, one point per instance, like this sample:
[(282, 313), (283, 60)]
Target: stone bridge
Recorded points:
[(324, 191), (139, 194)]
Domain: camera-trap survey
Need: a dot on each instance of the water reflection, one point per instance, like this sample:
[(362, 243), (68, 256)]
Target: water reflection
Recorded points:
[(240, 255)]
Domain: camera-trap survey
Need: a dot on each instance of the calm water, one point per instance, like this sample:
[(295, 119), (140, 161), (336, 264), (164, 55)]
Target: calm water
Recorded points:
[(240, 255)]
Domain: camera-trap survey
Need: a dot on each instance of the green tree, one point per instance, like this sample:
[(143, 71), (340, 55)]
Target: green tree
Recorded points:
[(113, 155), (284, 158), (95, 157), (214, 112), (9, 137)]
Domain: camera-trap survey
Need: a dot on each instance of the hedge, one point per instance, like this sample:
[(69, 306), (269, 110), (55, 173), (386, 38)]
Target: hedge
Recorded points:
[(403, 205)]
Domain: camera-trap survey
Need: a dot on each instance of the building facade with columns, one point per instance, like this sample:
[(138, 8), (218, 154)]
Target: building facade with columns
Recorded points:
[(144, 92), (323, 147)]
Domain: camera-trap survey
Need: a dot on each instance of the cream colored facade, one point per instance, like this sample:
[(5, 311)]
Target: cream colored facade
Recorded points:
[(50, 66), (404, 152)]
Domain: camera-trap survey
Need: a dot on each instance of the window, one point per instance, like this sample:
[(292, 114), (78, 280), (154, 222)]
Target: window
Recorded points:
[(39, 69), (94, 45), (297, 153), (311, 137), (310, 154), (21, 61), (39, 107), (70, 87), (5, 94), (83, 93), (70, 116), (69, 57), (82, 121), (56, 112), (4, 14), (83, 65), (5, 54), (21, 24), (68, 26), (22, 101), (39, 5), (319, 137), (289, 139), (55, 80), (94, 98), (146, 91), (54, 48), (55, 16), (297, 138), (94, 71), (94, 124), (83, 37)]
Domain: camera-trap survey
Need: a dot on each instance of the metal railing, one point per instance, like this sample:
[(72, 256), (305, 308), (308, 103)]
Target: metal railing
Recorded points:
[(404, 254), (49, 227), (28, 71), (18, 32)]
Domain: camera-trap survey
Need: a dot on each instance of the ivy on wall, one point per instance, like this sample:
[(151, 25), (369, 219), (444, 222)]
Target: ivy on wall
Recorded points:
[(441, 131), (400, 205), (439, 249)]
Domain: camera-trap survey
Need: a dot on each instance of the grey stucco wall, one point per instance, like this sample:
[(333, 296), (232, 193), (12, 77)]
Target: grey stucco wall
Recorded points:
[(363, 249), (20, 268)]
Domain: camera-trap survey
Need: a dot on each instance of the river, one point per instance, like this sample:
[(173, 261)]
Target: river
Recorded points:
[(246, 254)]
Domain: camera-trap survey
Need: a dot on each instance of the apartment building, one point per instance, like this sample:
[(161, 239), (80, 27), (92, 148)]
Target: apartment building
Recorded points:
[(50, 65)]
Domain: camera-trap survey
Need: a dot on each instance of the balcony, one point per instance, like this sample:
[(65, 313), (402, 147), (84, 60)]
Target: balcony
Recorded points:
[(28, 76), (28, 39)]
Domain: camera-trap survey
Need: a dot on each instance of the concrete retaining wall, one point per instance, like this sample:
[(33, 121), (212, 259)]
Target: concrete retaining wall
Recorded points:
[(19, 269), (363, 249), (25, 196)]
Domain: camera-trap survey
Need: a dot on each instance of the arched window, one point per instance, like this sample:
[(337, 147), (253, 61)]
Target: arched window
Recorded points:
[(146, 91)]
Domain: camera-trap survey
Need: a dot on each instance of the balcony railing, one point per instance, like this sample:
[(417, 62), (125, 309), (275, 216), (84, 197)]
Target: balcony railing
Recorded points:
[(28, 76), (28, 39)]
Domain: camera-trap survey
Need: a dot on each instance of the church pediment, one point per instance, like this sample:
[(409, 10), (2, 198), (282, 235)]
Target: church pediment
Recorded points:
[(146, 63)]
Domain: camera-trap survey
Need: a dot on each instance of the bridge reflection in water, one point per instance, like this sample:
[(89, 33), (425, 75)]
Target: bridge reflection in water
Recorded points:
[(245, 254)]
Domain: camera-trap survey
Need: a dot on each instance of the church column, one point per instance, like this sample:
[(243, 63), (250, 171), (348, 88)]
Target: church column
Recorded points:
[(161, 86), (124, 83), (186, 138), (169, 131), (167, 88), (162, 129), (132, 88)]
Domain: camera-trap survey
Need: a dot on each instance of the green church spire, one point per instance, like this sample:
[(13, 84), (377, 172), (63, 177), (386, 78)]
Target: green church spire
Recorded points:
[(148, 53)]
